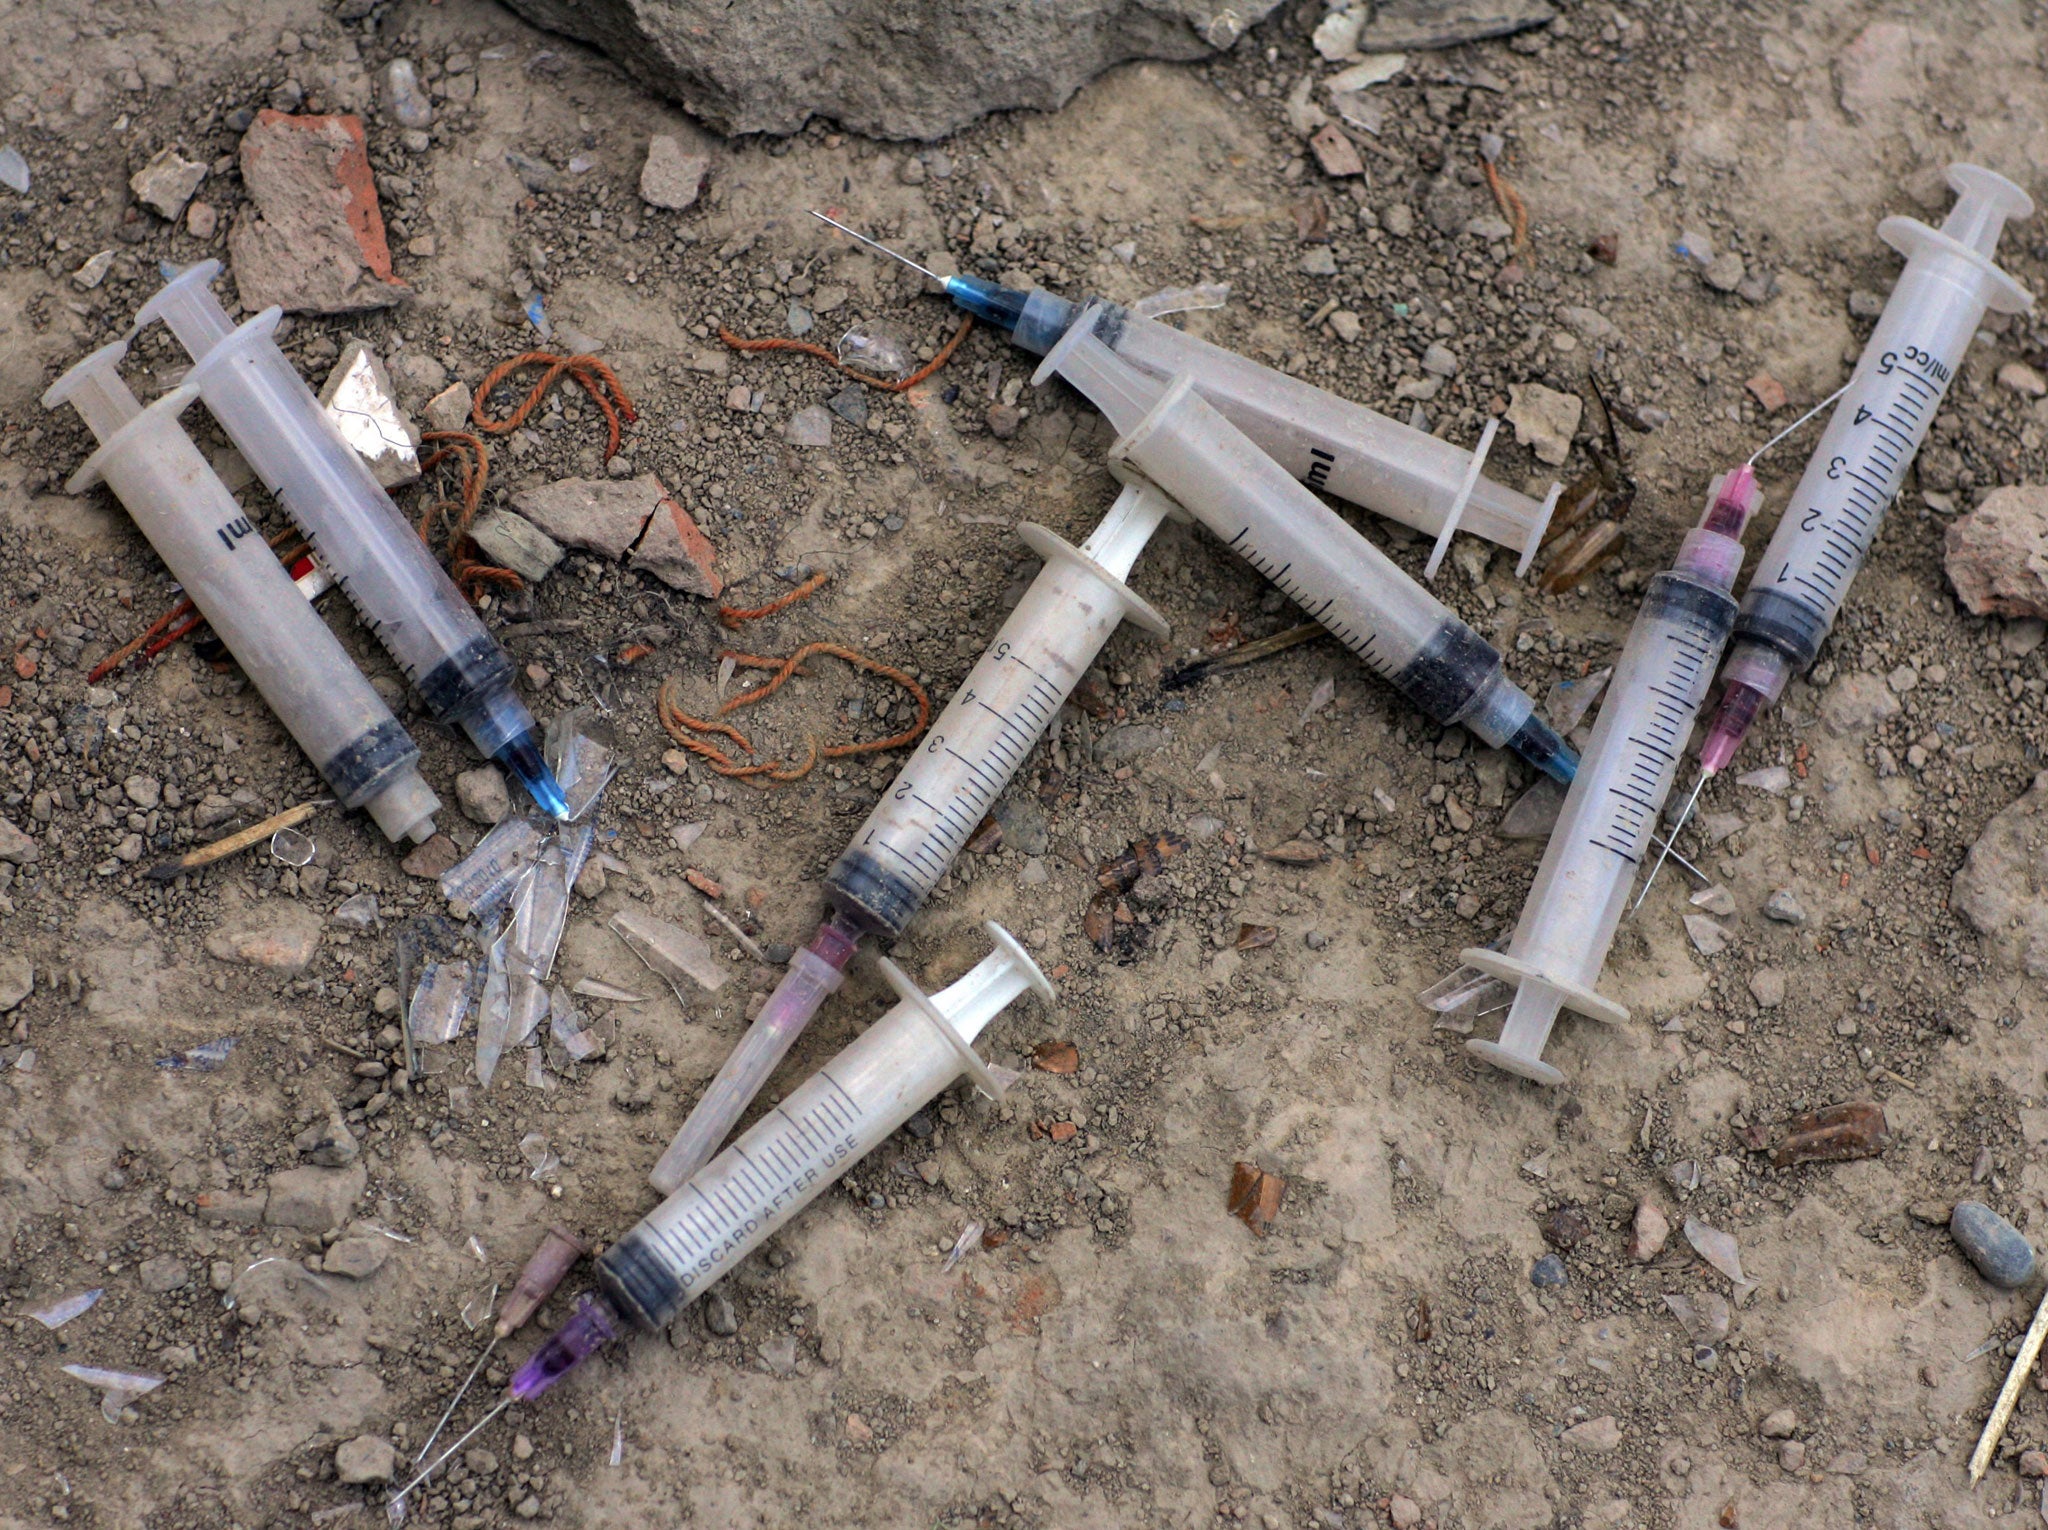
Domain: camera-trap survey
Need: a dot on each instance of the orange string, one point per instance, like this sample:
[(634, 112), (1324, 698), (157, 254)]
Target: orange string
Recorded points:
[(810, 348), (735, 616), (597, 379), (684, 728)]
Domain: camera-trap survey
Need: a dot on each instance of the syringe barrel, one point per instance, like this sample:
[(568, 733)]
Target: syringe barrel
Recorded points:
[(1254, 507), (289, 654), (787, 1158), (389, 575), (1324, 440), (987, 730), (1861, 461), (1660, 682)]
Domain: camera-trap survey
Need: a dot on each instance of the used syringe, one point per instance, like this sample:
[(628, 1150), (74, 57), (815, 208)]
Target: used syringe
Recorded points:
[(1169, 432), (785, 1160), (1660, 682), (960, 768), (289, 654), (401, 593), (1861, 462), (1327, 442)]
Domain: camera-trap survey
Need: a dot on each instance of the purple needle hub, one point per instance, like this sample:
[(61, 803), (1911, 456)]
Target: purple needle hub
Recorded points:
[(593, 1325)]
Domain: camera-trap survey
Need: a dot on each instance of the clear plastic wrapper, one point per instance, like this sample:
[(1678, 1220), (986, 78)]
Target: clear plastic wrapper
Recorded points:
[(482, 883), (442, 1001)]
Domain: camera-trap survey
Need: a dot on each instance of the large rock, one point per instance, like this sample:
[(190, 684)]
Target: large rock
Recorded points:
[(614, 516), (882, 67), (1997, 555), (313, 239), (279, 935), (2002, 888)]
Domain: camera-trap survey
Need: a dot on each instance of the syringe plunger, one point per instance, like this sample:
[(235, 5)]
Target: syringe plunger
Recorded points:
[(1568, 920), (785, 1161)]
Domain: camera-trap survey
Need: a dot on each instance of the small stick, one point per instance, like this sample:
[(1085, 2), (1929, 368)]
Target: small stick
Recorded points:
[(346, 1051), (1245, 653), (2009, 1394), (745, 942), (235, 843)]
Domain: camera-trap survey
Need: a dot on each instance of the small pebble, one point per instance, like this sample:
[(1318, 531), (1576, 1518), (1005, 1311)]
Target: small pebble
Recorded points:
[(1547, 1273), (1785, 907), (718, 1314), (2001, 1255)]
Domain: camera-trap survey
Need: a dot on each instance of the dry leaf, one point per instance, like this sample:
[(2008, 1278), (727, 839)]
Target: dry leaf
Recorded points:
[(1255, 1196), (1718, 1249), (1840, 1132), (1311, 219), (986, 838), (1141, 858), (1098, 923), (1256, 937), (1057, 1056)]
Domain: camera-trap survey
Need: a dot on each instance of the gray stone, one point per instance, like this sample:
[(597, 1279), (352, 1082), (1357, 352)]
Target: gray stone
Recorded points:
[(1997, 555), (878, 70), (1767, 987), (1784, 906), (144, 791), (163, 1274), (357, 1258), (1399, 24), (1544, 420), (329, 1144), (718, 1314), (448, 409), (313, 1199), (1725, 273), (809, 427), (2001, 1255), (673, 176), (15, 846), (514, 542), (1856, 703), (1779, 1424), (1600, 1435), (1026, 829), (17, 980), (405, 103), (1998, 888), (482, 795), (603, 515), (1547, 1273), (367, 1458), (166, 183), (1129, 741)]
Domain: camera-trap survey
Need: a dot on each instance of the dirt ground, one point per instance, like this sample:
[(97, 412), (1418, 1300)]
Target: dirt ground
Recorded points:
[(1125, 1353)]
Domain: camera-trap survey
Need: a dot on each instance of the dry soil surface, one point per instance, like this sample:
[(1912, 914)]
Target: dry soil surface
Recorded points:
[(1119, 1350)]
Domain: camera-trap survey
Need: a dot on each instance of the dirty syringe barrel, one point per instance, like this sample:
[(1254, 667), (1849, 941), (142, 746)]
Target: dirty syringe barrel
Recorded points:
[(1876, 430), (961, 766), (295, 662), (1252, 505), (1581, 889), (1326, 441), (1007, 700), (788, 1158), (402, 594)]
